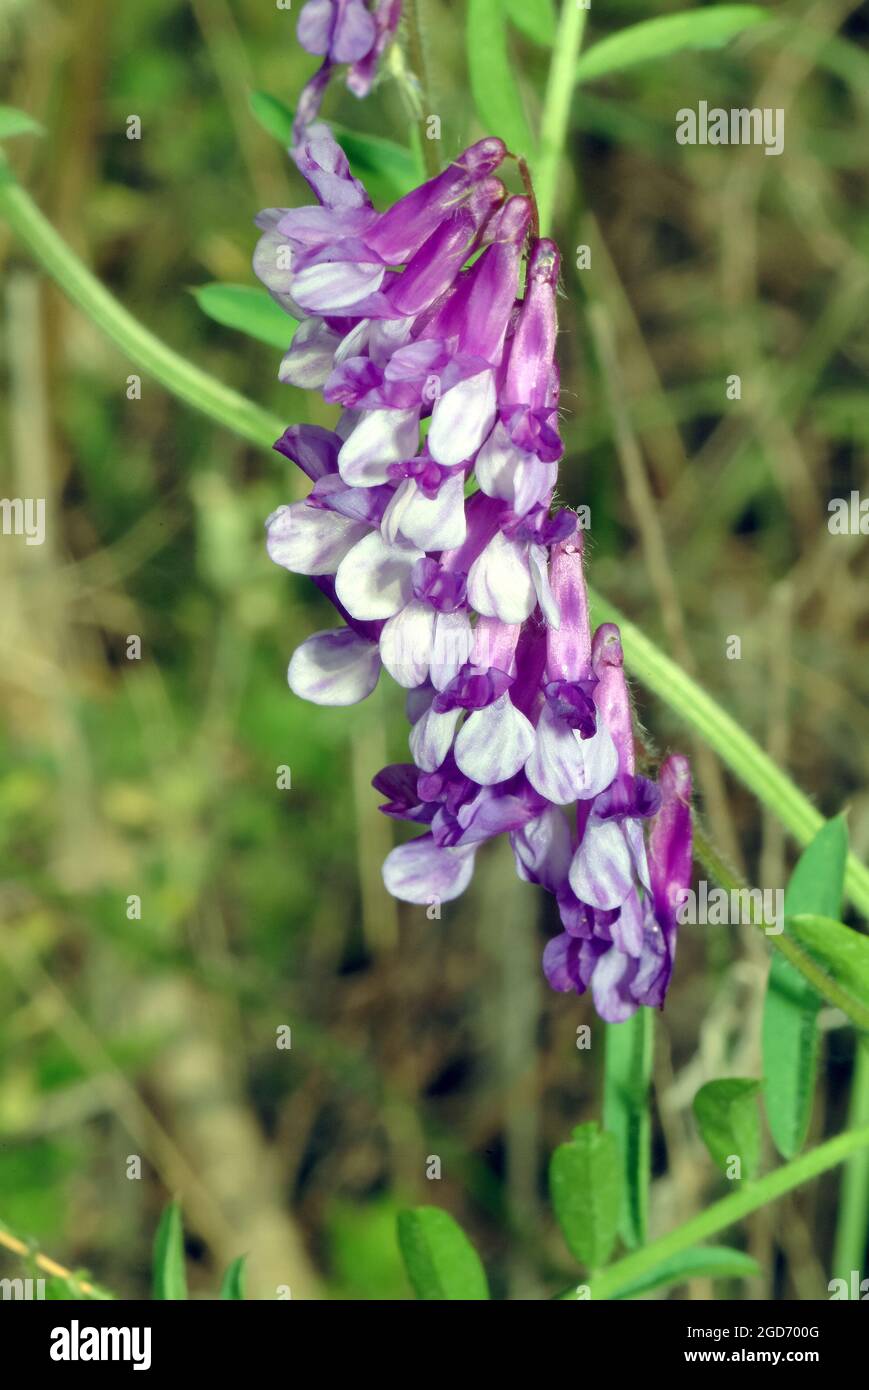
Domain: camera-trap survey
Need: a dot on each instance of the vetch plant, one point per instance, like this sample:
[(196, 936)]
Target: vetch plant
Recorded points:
[(431, 526)]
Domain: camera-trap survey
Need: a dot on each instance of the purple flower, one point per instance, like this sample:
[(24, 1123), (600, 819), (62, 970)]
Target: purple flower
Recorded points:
[(343, 31), (520, 717)]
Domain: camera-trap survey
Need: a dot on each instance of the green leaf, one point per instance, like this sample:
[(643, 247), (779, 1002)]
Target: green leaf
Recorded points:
[(627, 1077), (14, 122), (250, 310), (658, 38), (586, 1189), (496, 93), (536, 18), (700, 1262), (842, 952), (371, 157), (234, 1280), (440, 1260), (170, 1279), (790, 1015), (728, 1118)]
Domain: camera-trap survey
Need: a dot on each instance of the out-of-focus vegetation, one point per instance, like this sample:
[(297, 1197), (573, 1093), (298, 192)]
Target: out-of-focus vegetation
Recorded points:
[(263, 908)]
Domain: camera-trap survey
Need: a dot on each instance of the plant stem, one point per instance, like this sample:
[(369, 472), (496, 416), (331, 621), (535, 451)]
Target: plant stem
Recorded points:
[(852, 1225), (556, 107), (196, 388), (235, 412), (733, 745), (416, 53), (821, 982), (724, 1213)]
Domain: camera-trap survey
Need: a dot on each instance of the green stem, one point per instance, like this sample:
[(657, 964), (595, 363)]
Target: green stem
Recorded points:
[(724, 1213), (196, 388), (733, 745), (556, 108), (852, 1225), (199, 390), (416, 53), (821, 982)]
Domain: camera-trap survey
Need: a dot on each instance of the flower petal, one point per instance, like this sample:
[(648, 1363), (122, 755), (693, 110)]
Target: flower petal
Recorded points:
[(380, 438), (494, 743), (431, 738), (602, 871), (564, 767), (610, 985), (436, 523), (309, 540), (334, 668), (462, 418), (310, 359), (333, 287), (453, 644), (374, 580), (542, 849), (406, 644), (499, 582), (423, 873)]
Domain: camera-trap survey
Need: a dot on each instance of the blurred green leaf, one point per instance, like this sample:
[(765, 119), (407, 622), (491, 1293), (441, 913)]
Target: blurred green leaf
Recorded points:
[(234, 1280), (496, 93), (369, 155), (658, 38), (700, 1262), (843, 953), (627, 1077), (728, 1118), (586, 1189), (440, 1260), (790, 1033), (250, 310), (14, 122), (169, 1275), (536, 18)]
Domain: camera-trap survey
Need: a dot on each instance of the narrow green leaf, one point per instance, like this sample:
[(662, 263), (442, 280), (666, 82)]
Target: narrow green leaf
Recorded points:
[(728, 1118), (652, 39), (537, 19), (496, 93), (627, 1077), (586, 1189), (14, 122), (170, 1278), (441, 1262), (842, 952), (371, 157), (790, 1031), (250, 310), (700, 1262), (234, 1280)]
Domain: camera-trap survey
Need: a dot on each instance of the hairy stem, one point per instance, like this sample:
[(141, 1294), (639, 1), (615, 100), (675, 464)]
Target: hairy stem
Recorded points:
[(196, 388)]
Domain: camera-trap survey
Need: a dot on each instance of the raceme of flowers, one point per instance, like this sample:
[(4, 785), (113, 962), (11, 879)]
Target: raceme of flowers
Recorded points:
[(430, 527)]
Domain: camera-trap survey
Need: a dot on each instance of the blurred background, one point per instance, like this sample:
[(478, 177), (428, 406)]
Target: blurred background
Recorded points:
[(263, 908)]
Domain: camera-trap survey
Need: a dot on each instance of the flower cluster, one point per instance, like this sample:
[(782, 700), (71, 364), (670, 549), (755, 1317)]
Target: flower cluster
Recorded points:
[(430, 526), (350, 32)]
